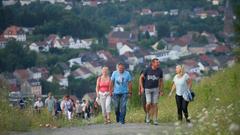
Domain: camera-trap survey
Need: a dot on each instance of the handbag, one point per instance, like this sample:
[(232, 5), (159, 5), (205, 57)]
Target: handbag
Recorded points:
[(188, 95)]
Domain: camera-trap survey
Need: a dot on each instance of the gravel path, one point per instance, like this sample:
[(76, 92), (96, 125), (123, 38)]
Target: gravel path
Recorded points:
[(116, 129)]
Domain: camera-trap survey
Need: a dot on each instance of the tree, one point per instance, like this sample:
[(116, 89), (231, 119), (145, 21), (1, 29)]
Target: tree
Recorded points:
[(147, 35), (14, 56), (163, 30)]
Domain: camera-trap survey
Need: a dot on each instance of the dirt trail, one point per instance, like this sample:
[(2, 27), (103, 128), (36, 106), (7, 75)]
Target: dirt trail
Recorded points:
[(115, 129)]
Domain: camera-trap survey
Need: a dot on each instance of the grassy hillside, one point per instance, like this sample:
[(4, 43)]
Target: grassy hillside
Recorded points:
[(216, 109)]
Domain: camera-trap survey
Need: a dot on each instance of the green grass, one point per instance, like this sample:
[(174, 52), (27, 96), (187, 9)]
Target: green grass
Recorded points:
[(216, 108)]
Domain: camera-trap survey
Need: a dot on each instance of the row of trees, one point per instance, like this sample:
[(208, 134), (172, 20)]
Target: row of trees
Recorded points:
[(49, 18)]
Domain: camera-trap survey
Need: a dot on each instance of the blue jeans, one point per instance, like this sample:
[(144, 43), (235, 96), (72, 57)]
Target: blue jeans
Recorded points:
[(120, 105)]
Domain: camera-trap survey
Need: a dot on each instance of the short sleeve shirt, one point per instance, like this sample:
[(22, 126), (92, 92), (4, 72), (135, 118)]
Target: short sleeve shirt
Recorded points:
[(121, 81), (152, 77), (181, 84)]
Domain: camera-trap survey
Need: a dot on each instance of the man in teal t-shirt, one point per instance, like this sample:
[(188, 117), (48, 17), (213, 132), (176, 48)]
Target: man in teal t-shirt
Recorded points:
[(50, 102), (122, 87)]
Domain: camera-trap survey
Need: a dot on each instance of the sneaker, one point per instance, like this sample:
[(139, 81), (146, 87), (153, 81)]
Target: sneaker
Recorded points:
[(155, 123), (147, 118), (188, 120)]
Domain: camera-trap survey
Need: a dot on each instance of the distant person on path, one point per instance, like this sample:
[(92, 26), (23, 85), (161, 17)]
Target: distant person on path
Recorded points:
[(68, 107), (21, 103), (78, 109), (57, 107), (50, 102), (38, 105), (181, 82), (153, 86), (103, 91), (122, 88)]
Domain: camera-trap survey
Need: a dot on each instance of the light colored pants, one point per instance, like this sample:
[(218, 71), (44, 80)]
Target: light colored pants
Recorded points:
[(105, 100), (152, 95), (69, 115)]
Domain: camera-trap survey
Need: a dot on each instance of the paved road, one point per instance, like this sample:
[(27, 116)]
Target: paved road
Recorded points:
[(113, 129)]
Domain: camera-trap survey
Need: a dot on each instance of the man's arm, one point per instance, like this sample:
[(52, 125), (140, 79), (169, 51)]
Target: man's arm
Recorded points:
[(140, 89), (161, 87)]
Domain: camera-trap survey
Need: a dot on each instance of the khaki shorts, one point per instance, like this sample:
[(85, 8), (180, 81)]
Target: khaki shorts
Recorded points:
[(152, 95)]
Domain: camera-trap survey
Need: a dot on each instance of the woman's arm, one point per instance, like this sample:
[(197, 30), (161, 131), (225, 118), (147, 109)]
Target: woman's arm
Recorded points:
[(172, 89), (97, 86)]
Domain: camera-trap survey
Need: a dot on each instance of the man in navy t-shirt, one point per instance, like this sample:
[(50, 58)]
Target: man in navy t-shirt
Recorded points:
[(153, 85)]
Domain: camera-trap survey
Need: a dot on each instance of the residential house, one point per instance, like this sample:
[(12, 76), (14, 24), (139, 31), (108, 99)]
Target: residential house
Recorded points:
[(26, 2), (149, 28), (118, 28), (123, 48), (75, 61), (159, 13), (9, 2), (146, 11), (68, 7), (42, 46), (210, 37), (131, 60), (62, 81), (83, 43), (94, 67), (212, 13), (123, 37), (81, 73), (222, 49), (211, 47), (191, 66), (209, 63), (201, 13), (22, 74), (173, 12), (197, 49), (105, 55), (14, 32), (50, 1), (215, 2), (35, 73), (44, 72), (31, 87), (3, 41), (52, 38), (13, 83)]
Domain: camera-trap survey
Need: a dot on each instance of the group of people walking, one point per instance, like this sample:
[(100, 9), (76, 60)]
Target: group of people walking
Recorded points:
[(66, 107), (118, 88)]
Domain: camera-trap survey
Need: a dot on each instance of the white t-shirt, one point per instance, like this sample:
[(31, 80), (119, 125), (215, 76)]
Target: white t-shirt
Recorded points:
[(38, 104), (181, 83)]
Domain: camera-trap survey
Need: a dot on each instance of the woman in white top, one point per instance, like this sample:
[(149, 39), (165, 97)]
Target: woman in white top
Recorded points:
[(38, 105), (181, 83)]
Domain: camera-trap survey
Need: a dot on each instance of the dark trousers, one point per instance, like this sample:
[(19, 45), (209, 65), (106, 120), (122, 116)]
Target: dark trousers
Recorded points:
[(120, 105), (182, 106)]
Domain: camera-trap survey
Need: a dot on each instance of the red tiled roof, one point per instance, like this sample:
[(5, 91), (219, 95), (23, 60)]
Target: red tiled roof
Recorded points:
[(222, 49), (12, 30), (22, 74)]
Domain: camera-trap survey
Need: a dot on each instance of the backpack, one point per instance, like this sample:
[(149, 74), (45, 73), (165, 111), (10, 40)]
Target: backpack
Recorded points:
[(69, 106)]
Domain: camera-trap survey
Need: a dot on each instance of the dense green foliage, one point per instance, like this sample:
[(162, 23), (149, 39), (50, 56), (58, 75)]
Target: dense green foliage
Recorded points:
[(14, 56), (48, 19)]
